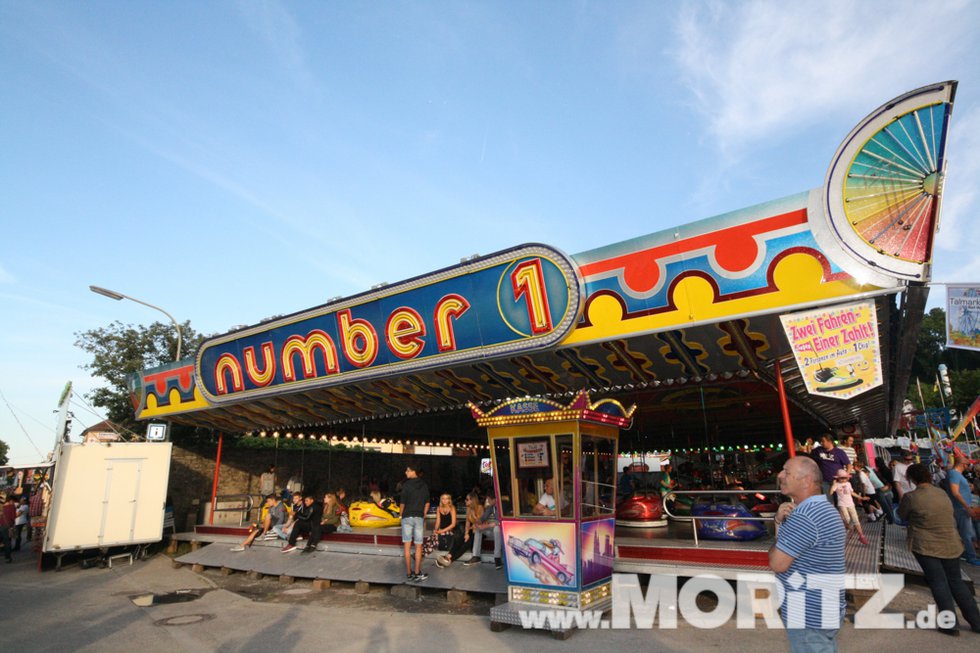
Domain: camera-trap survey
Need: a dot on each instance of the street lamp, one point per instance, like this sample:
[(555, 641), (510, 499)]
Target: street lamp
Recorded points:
[(112, 294)]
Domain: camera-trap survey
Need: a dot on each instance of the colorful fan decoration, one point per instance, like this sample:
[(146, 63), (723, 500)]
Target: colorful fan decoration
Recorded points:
[(884, 187)]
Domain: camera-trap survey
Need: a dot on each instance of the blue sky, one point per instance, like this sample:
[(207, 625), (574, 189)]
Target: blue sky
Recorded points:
[(232, 161)]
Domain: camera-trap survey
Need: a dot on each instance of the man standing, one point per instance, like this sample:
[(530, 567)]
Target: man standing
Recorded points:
[(964, 511), (8, 515), (847, 446), (267, 481), (830, 460), (414, 505), (808, 558), (899, 478)]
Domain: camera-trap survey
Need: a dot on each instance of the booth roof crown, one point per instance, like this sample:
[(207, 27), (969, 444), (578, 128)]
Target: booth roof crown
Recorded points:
[(536, 409)]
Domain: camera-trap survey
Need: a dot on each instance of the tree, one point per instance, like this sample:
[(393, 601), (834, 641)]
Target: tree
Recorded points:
[(931, 350), (4, 449), (119, 350)]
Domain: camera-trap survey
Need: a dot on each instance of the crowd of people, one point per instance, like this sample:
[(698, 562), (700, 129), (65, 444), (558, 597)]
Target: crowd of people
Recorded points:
[(937, 507), (25, 499), (296, 515)]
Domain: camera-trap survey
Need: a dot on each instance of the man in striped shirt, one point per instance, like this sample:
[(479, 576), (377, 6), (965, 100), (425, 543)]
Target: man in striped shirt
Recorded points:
[(808, 558)]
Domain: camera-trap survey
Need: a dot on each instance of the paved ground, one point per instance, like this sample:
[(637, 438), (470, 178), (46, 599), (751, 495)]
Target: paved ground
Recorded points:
[(97, 610)]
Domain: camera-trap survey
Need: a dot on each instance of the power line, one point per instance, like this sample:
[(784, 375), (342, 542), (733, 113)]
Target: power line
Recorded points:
[(17, 419)]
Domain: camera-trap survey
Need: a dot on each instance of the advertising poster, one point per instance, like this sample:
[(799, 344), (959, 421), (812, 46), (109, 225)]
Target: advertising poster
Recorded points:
[(836, 349), (963, 316), (540, 553), (598, 550)]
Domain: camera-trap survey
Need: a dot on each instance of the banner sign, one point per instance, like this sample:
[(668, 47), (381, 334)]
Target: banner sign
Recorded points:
[(963, 316), (518, 300), (836, 349)]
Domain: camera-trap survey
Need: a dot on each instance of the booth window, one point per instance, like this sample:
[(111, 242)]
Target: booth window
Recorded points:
[(598, 476), (501, 457)]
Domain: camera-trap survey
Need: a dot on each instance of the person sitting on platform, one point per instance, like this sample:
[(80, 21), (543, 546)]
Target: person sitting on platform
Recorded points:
[(474, 510), (283, 530), (546, 506), (487, 525), (331, 514), (446, 523), (275, 516), (306, 523)]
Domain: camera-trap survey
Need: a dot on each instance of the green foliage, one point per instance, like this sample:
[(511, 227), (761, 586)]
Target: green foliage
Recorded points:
[(931, 350), (292, 444), (4, 449), (120, 349)]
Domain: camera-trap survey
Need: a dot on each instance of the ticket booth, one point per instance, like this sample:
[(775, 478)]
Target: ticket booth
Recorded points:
[(554, 470)]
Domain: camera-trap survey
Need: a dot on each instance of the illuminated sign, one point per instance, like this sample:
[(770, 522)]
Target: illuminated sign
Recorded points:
[(521, 299)]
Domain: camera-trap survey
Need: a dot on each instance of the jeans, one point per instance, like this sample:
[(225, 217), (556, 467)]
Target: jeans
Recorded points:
[(964, 524), (812, 640), (413, 529), (310, 530), (884, 500), (947, 586), (281, 532), (478, 536)]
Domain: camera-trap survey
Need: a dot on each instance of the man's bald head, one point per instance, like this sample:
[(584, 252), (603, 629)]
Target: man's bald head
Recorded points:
[(800, 478)]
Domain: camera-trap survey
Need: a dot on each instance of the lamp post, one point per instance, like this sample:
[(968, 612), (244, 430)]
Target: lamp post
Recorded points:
[(112, 294)]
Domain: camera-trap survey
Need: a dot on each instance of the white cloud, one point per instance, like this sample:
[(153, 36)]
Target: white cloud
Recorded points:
[(758, 68), (276, 26)]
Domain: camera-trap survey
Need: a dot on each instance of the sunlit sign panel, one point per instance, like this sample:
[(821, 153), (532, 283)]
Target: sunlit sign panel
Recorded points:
[(518, 300), (836, 349)]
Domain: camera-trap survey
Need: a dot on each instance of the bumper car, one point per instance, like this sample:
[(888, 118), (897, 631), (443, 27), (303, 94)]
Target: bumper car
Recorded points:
[(730, 526), (641, 510), (368, 514)]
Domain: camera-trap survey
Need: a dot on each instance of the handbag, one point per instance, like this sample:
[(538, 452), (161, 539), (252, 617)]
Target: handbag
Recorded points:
[(430, 543)]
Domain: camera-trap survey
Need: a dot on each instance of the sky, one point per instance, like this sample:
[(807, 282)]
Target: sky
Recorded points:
[(231, 161)]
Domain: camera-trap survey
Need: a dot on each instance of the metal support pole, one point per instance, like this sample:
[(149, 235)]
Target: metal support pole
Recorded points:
[(784, 407), (217, 468)]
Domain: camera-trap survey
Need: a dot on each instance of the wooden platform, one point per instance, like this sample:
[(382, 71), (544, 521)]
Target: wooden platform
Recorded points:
[(375, 556)]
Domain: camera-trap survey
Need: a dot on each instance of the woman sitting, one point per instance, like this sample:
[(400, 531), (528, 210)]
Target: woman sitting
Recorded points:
[(474, 510)]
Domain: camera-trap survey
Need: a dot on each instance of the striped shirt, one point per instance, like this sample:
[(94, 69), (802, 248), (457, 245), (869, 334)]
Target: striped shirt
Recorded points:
[(813, 535)]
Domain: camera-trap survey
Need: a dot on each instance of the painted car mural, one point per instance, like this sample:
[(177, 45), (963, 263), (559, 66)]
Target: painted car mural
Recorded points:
[(543, 558)]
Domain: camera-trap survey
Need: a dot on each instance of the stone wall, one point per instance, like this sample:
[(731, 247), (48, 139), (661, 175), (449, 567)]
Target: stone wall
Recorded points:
[(192, 474)]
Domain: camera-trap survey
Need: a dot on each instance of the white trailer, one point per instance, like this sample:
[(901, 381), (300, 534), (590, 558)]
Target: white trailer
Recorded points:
[(107, 494)]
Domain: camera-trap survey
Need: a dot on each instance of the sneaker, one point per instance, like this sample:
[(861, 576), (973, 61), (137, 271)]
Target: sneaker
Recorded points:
[(270, 536), (419, 577), (238, 548), (409, 578), (289, 548), (475, 560), (498, 563), (443, 561)]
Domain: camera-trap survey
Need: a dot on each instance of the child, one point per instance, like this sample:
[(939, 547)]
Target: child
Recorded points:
[(845, 503)]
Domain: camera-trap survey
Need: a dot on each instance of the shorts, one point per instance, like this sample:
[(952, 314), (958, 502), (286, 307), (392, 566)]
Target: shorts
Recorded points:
[(412, 529)]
